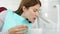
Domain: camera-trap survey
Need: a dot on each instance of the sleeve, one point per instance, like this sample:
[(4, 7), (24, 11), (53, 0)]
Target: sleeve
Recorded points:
[(6, 32), (2, 17), (1, 24)]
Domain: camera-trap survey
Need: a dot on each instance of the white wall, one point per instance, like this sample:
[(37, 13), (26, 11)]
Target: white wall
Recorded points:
[(10, 4), (50, 13), (58, 25)]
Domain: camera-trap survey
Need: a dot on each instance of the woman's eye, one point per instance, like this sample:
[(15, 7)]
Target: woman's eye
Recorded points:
[(34, 11)]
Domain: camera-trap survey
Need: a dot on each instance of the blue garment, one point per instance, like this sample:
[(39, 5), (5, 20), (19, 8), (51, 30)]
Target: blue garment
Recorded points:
[(12, 20)]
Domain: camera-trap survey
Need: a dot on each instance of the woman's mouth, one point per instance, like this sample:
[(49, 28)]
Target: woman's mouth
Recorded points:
[(34, 18)]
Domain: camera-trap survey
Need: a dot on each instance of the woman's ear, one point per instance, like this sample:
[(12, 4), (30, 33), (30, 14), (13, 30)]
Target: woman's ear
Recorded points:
[(24, 8)]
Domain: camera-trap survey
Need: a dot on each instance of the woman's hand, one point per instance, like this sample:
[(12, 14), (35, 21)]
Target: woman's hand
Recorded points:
[(18, 30)]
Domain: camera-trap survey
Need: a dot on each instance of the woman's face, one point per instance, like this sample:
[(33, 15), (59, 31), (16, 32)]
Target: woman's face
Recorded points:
[(31, 13)]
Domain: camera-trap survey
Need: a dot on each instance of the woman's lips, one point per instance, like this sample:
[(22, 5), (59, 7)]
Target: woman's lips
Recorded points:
[(34, 18)]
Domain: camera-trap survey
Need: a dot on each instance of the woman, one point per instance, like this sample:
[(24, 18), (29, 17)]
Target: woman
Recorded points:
[(27, 10)]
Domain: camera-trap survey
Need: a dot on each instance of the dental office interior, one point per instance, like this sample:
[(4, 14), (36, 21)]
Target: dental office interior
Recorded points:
[(48, 20)]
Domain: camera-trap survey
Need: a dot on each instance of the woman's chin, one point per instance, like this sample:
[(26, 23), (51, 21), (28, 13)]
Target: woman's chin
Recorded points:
[(33, 20)]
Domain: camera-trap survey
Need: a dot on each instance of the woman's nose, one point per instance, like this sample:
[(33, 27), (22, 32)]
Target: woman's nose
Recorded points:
[(36, 14)]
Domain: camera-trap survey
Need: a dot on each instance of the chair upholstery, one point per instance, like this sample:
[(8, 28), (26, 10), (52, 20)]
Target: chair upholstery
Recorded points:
[(2, 9)]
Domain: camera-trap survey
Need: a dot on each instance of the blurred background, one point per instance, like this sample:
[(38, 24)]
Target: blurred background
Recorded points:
[(49, 15)]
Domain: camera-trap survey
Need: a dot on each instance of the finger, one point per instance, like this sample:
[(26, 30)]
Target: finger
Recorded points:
[(21, 29), (19, 32), (22, 26)]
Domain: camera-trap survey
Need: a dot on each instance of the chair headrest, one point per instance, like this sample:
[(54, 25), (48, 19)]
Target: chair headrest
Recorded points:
[(2, 9)]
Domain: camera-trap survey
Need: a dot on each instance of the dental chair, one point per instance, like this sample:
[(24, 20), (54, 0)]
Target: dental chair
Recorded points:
[(2, 9)]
